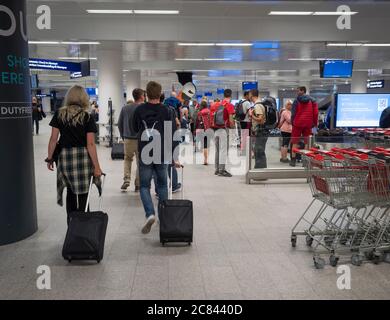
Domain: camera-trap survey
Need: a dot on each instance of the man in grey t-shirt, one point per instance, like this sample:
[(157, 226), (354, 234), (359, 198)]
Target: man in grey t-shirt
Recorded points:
[(129, 136)]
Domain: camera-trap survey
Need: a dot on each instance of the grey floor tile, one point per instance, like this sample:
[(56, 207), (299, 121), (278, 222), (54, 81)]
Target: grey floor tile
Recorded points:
[(241, 246), (194, 292)]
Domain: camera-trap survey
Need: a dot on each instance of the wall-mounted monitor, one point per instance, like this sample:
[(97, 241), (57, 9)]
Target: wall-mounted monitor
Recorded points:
[(91, 91), (360, 109), (336, 68), (249, 85)]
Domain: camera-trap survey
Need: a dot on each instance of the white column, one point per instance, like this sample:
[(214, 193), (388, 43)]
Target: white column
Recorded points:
[(359, 82), (305, 76), (110, 79), (274, 91), (46, 101), (133, 80)]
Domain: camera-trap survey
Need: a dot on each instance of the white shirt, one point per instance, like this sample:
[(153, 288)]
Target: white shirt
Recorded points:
[(246, 105)]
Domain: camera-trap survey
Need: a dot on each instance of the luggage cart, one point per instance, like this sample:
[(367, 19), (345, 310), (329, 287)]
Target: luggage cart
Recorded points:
[(353, 190)]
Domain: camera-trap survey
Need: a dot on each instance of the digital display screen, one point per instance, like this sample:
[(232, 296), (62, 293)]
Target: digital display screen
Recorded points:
[(220, 91), (360, 109), (249, 85), (54, 65), (336, 68), (375, 84), (91, 91)]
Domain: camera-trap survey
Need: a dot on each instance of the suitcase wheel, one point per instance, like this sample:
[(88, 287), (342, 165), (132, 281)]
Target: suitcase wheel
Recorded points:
[(69, 260), (189, 243), (98, 261), (163, 243)]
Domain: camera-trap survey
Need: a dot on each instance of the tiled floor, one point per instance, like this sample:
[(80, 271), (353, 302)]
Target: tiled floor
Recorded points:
[(241, 248)]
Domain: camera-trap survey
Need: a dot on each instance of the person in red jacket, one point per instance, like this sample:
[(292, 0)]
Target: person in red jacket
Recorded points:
[(304, 117), (221, 114)]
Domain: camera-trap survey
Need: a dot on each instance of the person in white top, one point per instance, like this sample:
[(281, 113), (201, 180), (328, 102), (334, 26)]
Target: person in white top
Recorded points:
[(259, 131)]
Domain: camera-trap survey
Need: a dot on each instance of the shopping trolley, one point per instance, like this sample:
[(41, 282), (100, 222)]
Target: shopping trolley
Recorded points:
[(352, 188)]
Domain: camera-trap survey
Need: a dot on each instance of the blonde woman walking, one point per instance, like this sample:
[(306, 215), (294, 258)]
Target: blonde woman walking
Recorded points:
[(75, 151)]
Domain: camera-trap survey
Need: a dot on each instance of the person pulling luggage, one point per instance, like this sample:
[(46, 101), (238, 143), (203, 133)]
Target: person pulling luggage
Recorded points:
[(74, 152), (149, 121)]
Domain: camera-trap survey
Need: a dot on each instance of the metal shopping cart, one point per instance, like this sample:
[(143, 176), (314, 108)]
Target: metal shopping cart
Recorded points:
[(352, 189)]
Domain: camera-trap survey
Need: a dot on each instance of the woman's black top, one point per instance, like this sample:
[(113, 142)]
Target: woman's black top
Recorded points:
[(74, 136)]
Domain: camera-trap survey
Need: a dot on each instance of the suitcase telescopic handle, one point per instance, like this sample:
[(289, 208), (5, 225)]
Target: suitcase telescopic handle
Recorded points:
[(170, 191), (89, 192)]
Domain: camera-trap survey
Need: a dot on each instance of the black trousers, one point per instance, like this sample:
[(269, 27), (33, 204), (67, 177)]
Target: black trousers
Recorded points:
[(36, 121), (71, 202)]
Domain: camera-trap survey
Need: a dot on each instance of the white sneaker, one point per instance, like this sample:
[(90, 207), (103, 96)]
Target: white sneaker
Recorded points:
[(148, 224)]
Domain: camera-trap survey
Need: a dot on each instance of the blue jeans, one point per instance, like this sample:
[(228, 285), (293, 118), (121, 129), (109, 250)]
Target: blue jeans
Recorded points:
[(174, 181), (145, 175)]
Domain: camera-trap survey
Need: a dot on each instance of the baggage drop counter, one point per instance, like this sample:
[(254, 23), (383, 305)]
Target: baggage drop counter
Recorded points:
[(278, 170)]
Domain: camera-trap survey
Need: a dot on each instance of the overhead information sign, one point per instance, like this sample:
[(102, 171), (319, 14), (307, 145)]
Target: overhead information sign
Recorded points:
[(375, 84), (54, 65)]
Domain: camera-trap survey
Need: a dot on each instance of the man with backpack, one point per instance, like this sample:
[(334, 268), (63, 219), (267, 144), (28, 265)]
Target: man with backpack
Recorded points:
[(304, 117), (221, 114), (242, 114), (175, 103), (264, 119), (149, 119)]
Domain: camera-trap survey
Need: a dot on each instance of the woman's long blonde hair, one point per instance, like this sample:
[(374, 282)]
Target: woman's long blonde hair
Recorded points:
[(76, 100)]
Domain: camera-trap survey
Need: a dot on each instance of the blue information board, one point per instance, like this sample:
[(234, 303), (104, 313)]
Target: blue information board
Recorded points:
[(54, 65)]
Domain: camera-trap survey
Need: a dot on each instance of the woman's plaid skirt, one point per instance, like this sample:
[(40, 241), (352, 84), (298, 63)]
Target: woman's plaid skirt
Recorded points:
[(74, 171)]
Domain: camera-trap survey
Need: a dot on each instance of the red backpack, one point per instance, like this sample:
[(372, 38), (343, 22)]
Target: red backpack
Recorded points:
[(203, 121)]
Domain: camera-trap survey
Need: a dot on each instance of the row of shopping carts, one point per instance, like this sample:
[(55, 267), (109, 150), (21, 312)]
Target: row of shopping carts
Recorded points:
[(349, 215)]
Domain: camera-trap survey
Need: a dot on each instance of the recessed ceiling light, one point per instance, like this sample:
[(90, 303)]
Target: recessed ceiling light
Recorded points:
[(156, 11), (80, 42), (110, 11), (188, 59), (227, 44), (376, 45), (334, 13), (290, 13), (344, 44), (77, 58), (300, 59), (216, 59), (200, 44), (43, 42)]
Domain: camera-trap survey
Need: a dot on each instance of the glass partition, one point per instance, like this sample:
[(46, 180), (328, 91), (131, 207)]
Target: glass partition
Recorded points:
[(264, 154)]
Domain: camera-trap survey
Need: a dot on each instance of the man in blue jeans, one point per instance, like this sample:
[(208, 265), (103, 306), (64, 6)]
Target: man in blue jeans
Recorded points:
[(148, 121)]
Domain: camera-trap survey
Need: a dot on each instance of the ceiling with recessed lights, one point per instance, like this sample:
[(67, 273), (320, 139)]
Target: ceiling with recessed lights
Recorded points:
[(223, 42)]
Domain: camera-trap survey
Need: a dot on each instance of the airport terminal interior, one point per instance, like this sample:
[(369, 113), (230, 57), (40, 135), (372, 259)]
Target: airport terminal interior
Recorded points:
[(314, 226)]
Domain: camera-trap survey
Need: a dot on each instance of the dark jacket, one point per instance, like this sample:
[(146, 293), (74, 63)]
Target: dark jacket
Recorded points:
[(36, 114), (125, 122), (148, 115), (304, 113), (384, 121)]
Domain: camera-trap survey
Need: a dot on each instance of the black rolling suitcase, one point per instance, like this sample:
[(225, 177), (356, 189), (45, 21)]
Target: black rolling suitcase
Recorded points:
[(86, 234), (176, 218), (118, 151)]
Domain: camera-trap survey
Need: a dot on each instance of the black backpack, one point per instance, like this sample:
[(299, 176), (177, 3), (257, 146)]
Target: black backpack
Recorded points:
[(271, 113), (239, 113)]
